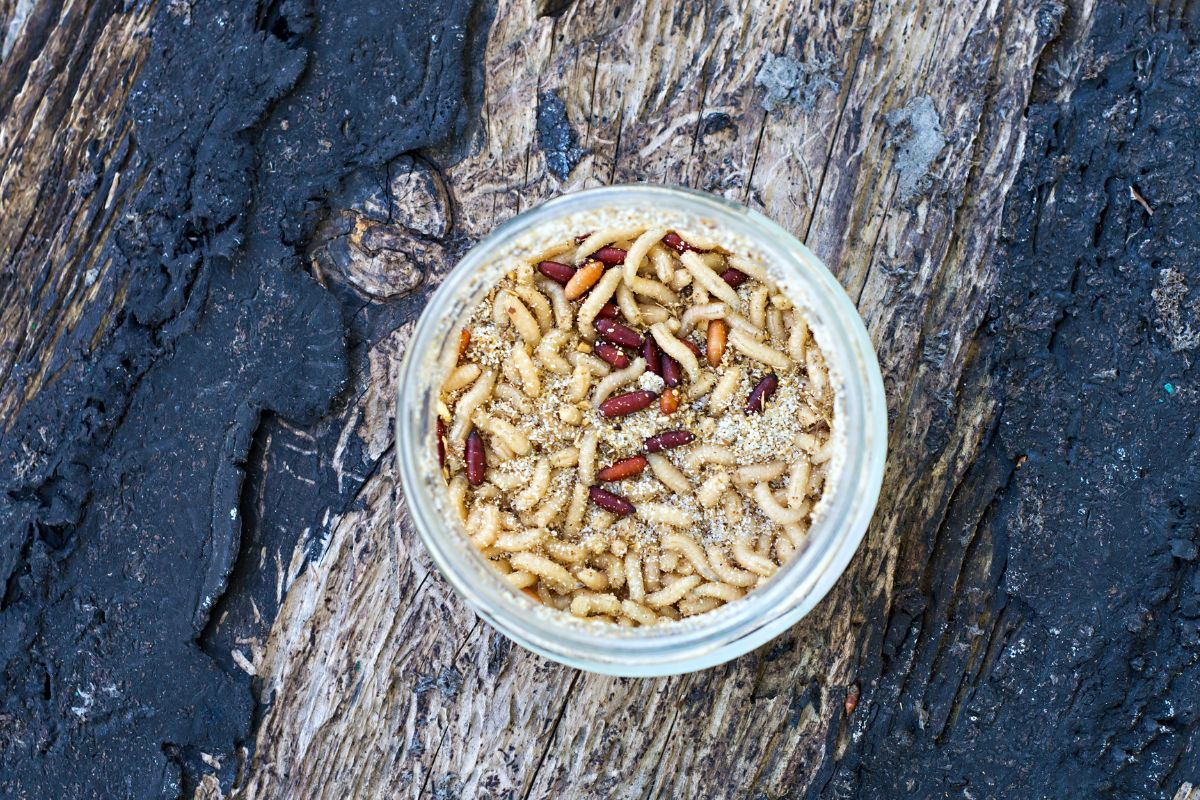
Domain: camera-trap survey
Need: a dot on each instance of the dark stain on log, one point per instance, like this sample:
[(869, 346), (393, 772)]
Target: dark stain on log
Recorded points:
[(1044, 636), (556, 137), (552, 8), (715, 122), (1065, 661), (125, 508)]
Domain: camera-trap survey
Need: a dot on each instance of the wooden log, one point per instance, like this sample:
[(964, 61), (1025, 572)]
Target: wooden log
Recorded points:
[(905, 213), (63, 89), (886, 134)]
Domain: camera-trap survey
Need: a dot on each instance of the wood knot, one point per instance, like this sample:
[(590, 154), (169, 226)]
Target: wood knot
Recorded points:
[(384, 234)]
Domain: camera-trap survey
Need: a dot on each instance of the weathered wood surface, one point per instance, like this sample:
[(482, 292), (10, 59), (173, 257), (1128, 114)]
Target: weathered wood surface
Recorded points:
[(893, 158), (55, 207), (385, 684)]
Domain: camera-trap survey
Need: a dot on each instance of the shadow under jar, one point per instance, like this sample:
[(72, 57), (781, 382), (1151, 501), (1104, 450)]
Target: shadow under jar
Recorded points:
[(857, 435)]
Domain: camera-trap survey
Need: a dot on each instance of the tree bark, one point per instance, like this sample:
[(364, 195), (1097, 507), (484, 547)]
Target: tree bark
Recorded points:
[(219, 223)]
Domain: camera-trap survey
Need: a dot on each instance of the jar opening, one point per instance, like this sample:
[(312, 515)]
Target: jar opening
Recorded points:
[(841, 516)]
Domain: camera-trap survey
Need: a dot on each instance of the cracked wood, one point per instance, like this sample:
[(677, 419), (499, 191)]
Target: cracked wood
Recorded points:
[(1023, 618), (638, 83)]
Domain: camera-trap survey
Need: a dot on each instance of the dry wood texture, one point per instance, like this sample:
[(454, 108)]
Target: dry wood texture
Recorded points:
[(383, 684), (56, 101), (887, 134)]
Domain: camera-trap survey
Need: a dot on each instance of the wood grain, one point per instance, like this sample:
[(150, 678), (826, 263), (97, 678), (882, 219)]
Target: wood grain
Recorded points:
[(381, 683), (63, 87), (1021, 619)]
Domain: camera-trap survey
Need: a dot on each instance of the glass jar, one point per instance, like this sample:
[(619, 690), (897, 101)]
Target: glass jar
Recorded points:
[(841, 518)]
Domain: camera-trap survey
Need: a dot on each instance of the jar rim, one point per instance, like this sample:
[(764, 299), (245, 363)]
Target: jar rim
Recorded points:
[(729, 630)]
